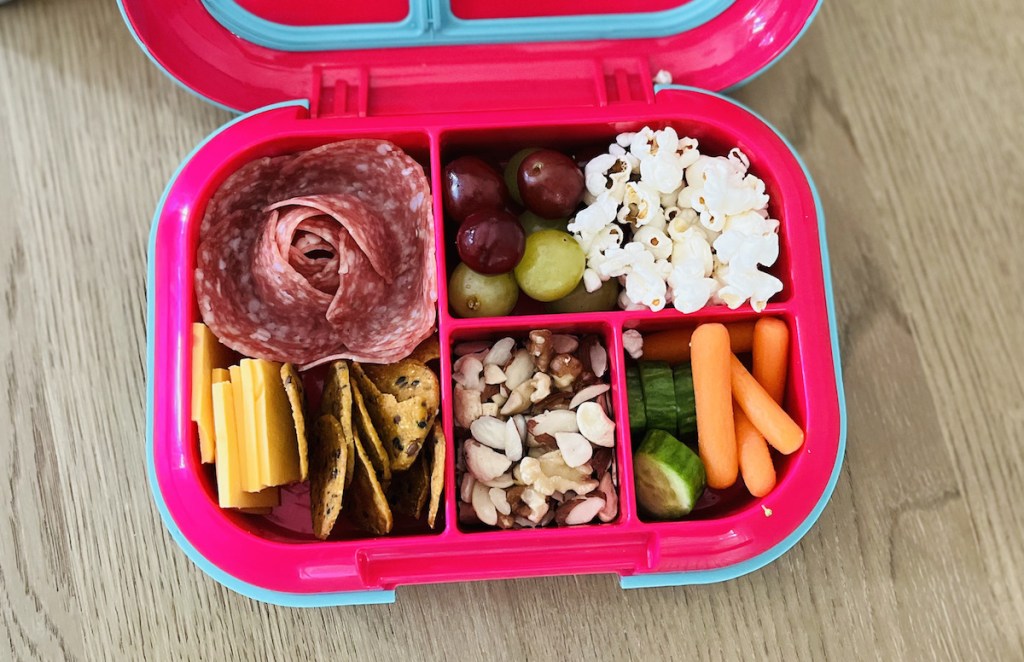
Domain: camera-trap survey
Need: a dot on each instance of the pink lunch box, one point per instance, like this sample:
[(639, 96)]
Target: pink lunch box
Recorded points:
[(440, 79)]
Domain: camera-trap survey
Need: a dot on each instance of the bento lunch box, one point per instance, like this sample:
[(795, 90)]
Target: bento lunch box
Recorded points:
[(441, 79)]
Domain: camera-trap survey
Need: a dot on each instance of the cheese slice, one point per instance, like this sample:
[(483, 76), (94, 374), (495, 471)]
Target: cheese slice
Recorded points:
[(248, 457), (229, 476), (275, 428), (207, 354)]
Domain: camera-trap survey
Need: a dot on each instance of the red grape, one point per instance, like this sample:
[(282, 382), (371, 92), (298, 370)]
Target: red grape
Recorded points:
[(471, 185), (550, 183), (491, 241)]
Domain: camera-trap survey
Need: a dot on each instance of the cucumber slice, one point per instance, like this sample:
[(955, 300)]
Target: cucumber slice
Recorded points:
[(659, 395), (635, 397), (686, 407), (669, 476)]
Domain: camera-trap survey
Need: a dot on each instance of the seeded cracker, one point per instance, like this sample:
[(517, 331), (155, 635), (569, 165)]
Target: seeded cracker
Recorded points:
[(330, 459), (368, 507), (337, 401), (409, 490), (406, 379), (368, 435), (297, 399), (402, 426), (436, 473)]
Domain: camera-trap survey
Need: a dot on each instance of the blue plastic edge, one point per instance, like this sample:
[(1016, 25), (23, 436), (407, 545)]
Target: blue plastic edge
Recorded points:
[(249, 590), (757, 74), (177, 81), (432, 23), (739, 569)]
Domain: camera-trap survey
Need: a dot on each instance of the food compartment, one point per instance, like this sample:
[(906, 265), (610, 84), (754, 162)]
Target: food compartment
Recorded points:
[(290, 521), (528, 455), (478, 251), (651, 389)]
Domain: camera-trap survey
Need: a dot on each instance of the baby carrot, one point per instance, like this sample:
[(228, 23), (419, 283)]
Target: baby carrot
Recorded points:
[(778, 428), (716, 432), (755, 459), (771, 353), (673, 345)]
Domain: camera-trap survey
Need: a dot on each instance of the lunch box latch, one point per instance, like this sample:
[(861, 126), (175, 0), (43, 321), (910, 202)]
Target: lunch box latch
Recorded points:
[(387, 90)]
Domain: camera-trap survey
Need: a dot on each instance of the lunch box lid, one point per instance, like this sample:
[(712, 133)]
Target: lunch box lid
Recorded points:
[(406, 57)]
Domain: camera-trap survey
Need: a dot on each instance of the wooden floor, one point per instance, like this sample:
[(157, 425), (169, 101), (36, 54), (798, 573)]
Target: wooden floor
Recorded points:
[(908, 113)]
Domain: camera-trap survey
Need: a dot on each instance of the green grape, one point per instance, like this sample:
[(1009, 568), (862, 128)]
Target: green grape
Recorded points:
[(512, 173), (579, 300), (552, 265), (533, 223), (473, 294)]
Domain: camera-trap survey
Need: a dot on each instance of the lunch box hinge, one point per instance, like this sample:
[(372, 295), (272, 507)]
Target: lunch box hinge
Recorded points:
[(339, 91), (624, 80)]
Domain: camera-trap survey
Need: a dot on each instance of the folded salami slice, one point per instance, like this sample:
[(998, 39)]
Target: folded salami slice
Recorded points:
[(321, 255)]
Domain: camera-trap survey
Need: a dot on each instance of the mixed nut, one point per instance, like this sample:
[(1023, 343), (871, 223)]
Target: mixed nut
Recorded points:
[(536, 438)]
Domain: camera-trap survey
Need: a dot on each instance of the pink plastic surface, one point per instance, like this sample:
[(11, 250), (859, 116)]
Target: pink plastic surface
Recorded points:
[(278, 553), (327, 12), (186, 41)]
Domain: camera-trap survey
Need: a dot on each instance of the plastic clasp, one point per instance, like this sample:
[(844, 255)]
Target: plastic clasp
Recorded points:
[(475, 86)]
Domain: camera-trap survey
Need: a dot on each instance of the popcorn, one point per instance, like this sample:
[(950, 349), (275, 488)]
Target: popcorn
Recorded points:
[(591, 280), (746, 251), (607, 238), (681, 220), (698, 226), (620, 150), (607, 173), (656, 241), (690, 290), (663, 172), (644, 285), (640, 205), (738, 285), (693, 250), (619, 261), (591, 220)]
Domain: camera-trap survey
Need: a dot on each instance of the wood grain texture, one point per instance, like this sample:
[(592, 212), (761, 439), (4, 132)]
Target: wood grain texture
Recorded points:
[(908, 115)]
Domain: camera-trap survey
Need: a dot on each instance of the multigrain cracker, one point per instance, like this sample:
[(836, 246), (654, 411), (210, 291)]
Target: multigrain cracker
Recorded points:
[(436, 472), (368, 507), (364, 427), (329, 460), (297, 400), (337, 401)]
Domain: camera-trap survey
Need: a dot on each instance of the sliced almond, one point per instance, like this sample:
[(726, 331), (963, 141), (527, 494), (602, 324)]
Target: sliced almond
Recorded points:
[(575, 448), (559, 420), (483, 506), (500, 352), (466, 489), (595, 425), (564, 344), (467, 406), (472, 347), (519, 369), (611, 499), (503, 481), (497, 497), (580, 510), (468, 372), (489, 431), (493, 374), (513, 441), (484, 463), (587, 393)]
